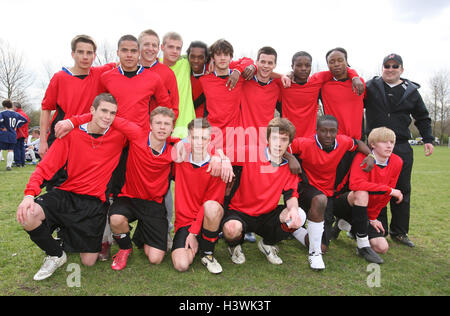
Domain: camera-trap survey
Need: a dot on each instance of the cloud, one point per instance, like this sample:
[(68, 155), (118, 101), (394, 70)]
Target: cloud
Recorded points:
[(416, 10)]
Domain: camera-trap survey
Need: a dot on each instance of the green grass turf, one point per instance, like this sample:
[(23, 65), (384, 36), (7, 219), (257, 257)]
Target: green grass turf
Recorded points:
[(423, 270)]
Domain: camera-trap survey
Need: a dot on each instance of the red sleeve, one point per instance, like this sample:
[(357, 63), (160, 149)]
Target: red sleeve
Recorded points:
[(215, 192), (321, 77), (54, 160), (351, 73), (162, 96), (241, 64), (132, 131), (360, 180), (78, 120), (291, 186), (296, 146), (49, 101)]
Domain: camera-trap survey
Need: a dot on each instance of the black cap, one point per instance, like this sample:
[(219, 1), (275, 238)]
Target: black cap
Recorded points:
[(393, 57)]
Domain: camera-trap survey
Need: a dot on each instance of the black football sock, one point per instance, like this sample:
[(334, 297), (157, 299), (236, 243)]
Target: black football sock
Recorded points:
[(42, 237), (123, 240), (207, 241)]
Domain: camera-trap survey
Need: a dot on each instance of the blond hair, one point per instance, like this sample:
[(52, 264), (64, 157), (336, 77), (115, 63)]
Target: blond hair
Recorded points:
[(381, 134), (163, 111), (172, 36)]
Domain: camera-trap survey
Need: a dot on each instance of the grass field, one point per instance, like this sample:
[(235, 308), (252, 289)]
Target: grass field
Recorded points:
[(423, 270)]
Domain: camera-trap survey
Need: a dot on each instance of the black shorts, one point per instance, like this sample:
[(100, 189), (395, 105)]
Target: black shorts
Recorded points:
[(152, 227), (306, 193), (179, 240), (81, 219), (342, 209), (6, 146), (268, 225)]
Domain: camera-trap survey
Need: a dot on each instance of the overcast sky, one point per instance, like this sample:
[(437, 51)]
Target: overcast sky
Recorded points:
[(369, 30)]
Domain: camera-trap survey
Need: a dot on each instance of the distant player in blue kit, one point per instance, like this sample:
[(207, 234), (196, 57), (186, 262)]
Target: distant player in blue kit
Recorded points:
[(9, 121)]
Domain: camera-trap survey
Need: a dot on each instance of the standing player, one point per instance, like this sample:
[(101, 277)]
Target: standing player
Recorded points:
[(370, 192), (71, 91), (198, 54), (299, 102), (9, 121), (77, 206), (149, 44), (171, 48), (260, 95), (339, 98), (22, 134), (254, 208), (391, 101), (320, 156), (198, 203)]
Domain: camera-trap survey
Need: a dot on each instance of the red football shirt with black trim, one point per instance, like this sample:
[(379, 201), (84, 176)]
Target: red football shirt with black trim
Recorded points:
[(379, 182), (73, 95), (90, 162), (170, 82), (345, 105), (193, 187), (319, 165), (133, 94), (262, 184)]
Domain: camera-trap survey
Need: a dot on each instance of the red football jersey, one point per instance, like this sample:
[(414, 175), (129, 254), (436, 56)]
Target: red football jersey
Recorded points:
[(259, 102), (90, 162), (193, 187), (170, 82), (340, 101), (133, 94), (198, 97), (379, 182), (261, 185), (22, 132), (71, 95), (318, 165)]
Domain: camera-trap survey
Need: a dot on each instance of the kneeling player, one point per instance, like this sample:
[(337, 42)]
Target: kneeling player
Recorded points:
[(371, 191), (198, 203), (90, 154), (254, 206), (321, 156)]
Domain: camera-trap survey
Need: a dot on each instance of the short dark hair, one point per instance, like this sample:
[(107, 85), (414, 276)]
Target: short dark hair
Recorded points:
[(82, 39), (199, 122), (300, 54), (267, 50), (7, 104), (283, 125), (327, 117), (127, 37), (106, 97), (337, 49), (198, 44), (221, 46)]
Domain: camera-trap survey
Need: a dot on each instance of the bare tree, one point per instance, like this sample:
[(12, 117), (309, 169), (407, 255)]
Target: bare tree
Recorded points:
[(14, 77), (439, 102), (106, 53)]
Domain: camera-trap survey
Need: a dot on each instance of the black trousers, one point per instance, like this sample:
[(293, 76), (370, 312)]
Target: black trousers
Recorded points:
[(401, 212)]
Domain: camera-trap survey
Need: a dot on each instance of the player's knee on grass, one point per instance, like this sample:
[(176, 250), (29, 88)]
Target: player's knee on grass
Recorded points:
[(180, 260), (88, 259), (379, 245), (155, 256)]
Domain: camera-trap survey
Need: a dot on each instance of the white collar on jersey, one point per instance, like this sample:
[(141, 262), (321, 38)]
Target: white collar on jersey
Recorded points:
[(378, 163), (283, 160), (67, 71), (84, 129), (320, 145), (200, 74), (150, 145), (139, 70), (201, 163)]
